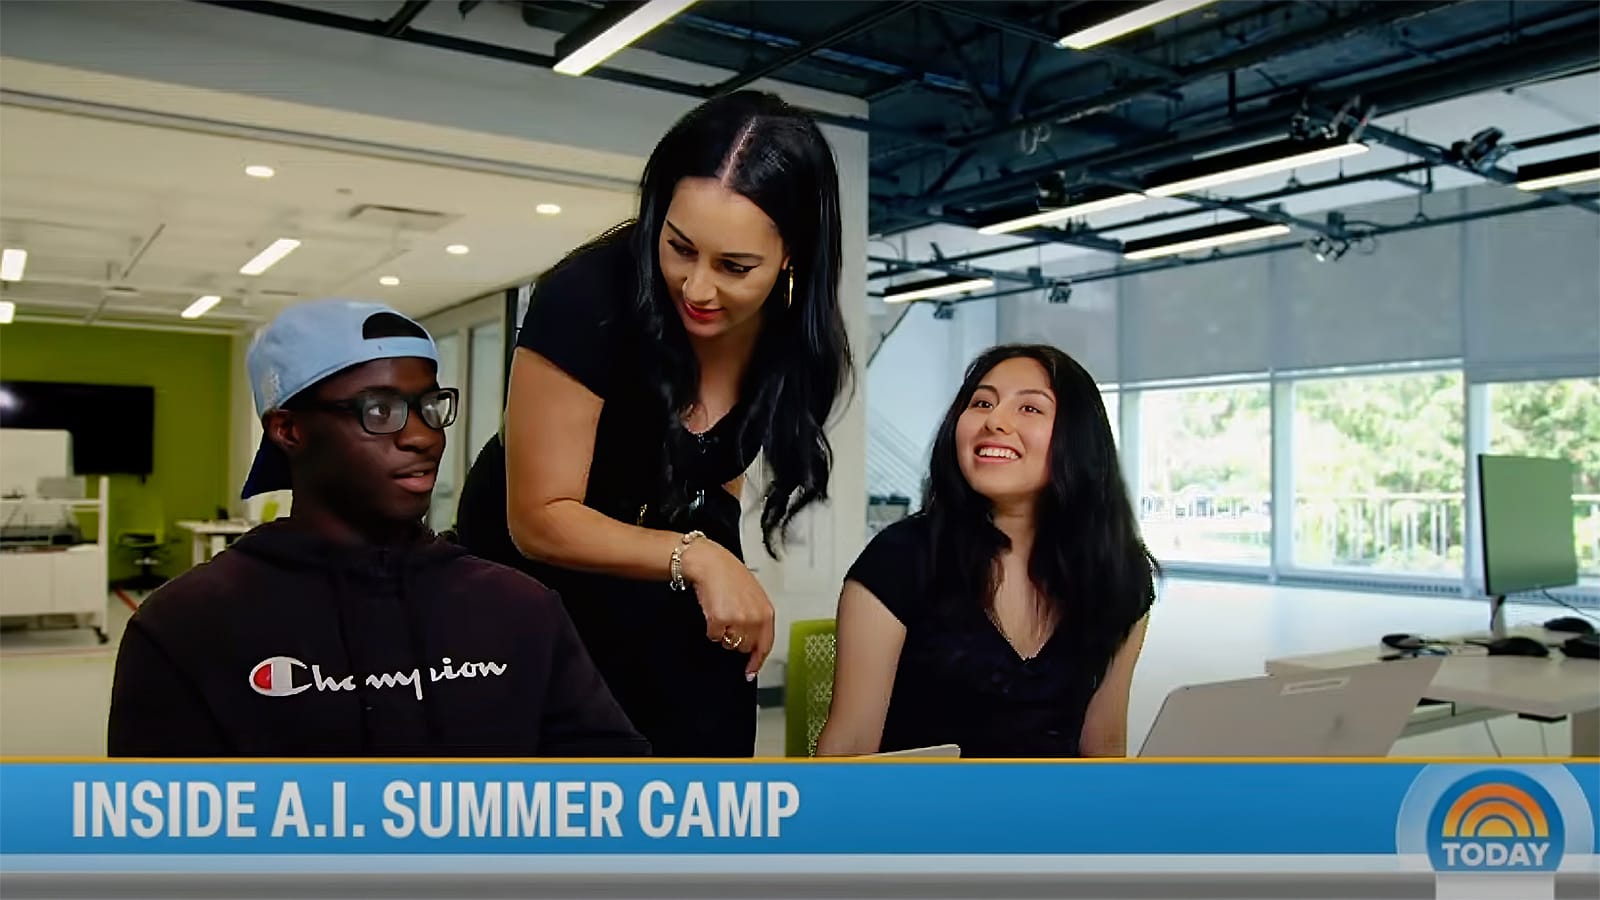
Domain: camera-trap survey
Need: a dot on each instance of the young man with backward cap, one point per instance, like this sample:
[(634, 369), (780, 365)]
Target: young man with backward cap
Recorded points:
[(348, 629)]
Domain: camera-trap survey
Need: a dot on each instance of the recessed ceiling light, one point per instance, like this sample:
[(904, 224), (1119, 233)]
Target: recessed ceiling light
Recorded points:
[(388, 281), (457, 249), (269, 257), (201, 306), (8, 311), (12, 262), (547, 209), (260, 171)]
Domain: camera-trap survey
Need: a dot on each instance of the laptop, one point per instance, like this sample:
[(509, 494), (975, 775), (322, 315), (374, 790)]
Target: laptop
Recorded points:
[(948, 751), (1355, 711)]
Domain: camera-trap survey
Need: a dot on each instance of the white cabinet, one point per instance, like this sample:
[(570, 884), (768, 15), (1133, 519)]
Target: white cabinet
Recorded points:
[(45, 581)]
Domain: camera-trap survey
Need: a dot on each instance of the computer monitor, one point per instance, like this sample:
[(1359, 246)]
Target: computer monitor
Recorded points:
[(1528, 544)]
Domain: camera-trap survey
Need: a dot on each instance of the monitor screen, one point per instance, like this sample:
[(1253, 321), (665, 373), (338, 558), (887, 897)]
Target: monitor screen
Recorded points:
[(112, 426), (1528, 541)]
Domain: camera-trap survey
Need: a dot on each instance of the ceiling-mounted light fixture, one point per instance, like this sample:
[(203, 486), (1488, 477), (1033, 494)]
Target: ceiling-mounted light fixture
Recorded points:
[(1144, 16), (12, 263), (8, 311), (269, 257), (458, 249), (1202, 238), (936, 287), (1559, 172), (259, 171), (1098, 200), (1247, 163), (200, 306), (615, 27), (548, 209), (389, 281)]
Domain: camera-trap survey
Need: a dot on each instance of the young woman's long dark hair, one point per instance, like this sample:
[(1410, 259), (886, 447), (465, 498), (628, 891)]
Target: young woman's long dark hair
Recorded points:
[(1089, 563), (775, 156)]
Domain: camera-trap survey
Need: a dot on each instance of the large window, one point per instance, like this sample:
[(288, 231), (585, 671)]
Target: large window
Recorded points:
[(1113, 405), (1205, 464), (1556, 418), (1378, 464)]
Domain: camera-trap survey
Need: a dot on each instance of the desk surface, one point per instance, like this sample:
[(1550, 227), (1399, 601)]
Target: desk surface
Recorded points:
[(1552, 687), (214, 527)]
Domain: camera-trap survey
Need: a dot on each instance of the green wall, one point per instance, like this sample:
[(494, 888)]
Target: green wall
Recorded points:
[(190, 374)]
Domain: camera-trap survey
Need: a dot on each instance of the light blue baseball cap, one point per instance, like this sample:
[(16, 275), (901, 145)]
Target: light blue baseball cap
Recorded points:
[(312, 341)]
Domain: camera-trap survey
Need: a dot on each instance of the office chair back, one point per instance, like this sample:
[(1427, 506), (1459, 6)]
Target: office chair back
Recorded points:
[(808, 684)]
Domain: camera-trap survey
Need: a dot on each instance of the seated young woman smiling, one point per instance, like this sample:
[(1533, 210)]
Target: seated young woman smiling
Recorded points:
[(1005, 616)]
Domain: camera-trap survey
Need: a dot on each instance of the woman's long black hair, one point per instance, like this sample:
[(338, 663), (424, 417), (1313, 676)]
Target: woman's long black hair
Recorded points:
[(775, 156), (1089, 563)]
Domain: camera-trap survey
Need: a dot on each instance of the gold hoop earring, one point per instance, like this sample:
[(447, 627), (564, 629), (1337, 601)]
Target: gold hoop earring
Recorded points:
[(790, 301)]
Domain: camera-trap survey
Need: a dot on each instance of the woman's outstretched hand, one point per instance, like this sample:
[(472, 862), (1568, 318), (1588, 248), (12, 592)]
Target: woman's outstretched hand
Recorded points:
[(739, 616)]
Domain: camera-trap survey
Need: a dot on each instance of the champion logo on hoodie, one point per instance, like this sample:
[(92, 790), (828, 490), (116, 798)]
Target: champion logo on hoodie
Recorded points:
[(275, 676)]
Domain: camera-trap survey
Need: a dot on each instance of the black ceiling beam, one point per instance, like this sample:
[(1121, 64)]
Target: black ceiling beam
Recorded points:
[(1109, 54), (403, 17), (1380, 15), (902, 266), (875, 16), (969, 72), (1440, 157), (1560, 53), (374, 28)]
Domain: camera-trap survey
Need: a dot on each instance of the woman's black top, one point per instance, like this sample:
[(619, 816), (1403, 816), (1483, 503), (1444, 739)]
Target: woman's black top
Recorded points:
[(959, 681), (683, 692)]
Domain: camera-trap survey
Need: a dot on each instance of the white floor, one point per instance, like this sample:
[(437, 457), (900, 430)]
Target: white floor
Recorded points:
[(55, 686)]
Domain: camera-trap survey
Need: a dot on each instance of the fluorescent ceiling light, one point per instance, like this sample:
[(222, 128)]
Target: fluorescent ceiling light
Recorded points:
[(12, 262), (259, 171), (388, 281), (1558, 172), (547, 209), (1248, 163), (938, 287), (269, 257), (1050, 216), (201, 306), (1202, 238), (8, 311), (578, 53), (458, 249), (1129, 22)]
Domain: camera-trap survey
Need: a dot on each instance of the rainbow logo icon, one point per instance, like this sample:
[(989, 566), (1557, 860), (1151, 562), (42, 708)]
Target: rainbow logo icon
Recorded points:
[(1495, 821)]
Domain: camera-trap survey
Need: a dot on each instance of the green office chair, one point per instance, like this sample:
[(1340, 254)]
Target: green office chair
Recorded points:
[(808, 684)]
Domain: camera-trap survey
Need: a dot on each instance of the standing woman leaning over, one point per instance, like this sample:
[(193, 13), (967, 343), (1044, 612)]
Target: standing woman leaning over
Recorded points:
[(654, 363)]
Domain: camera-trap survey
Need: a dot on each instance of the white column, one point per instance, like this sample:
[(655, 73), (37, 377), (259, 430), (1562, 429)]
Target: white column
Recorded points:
[(1282, 477)]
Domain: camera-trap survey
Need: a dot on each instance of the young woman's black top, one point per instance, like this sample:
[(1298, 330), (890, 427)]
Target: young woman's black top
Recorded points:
[(959, 681), (685, 693)]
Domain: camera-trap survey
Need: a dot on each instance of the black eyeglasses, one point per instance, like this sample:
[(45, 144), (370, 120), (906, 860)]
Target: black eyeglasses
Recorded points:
[(386, 412)]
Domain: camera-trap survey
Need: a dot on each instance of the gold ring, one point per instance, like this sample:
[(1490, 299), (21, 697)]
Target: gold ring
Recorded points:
[(732, 641)]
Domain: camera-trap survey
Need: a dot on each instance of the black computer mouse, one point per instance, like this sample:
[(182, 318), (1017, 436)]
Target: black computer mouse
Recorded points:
[(1570, 625), (1517, 646)]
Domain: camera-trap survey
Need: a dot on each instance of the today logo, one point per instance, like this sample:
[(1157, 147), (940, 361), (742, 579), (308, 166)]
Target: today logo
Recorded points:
[(1495, 821)]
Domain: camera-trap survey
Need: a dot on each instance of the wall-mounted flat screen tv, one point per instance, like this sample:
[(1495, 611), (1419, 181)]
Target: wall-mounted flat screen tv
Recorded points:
[(112, 426)]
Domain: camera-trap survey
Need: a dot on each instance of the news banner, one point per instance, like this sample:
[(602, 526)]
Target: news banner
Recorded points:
[(920, 827)]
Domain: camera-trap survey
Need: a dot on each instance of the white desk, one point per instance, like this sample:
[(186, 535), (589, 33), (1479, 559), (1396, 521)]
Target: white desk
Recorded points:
[(211, 538), (1547, 688)]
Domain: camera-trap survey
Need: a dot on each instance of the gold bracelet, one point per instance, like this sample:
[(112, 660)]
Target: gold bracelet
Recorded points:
[(677, 581)]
